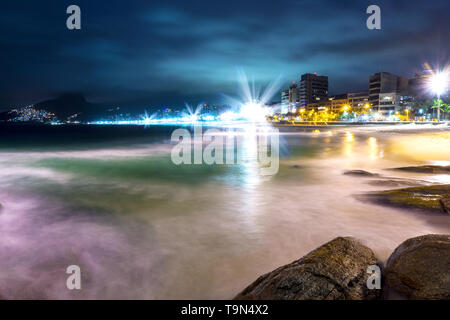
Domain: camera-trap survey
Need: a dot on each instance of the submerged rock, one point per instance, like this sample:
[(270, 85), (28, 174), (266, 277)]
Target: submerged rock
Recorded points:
[(361, 173), (445, 203), (420, 268), (334, 271), (425, 169), (395, 183), (425, 198)]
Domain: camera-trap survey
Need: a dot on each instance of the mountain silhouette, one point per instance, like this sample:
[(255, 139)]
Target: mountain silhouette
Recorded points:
[(69, 104)]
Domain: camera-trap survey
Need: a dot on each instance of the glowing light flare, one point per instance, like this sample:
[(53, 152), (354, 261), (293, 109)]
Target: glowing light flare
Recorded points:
[(228, 116), (252, 106), (192, 115), (146, 119), (439, 81), (254, 112)]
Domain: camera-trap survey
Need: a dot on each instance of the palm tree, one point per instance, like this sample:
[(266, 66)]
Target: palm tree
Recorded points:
[(420, 103), (439, 104)]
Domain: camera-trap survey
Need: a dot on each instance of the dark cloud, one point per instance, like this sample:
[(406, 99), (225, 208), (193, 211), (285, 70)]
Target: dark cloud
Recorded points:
[(147, 53)]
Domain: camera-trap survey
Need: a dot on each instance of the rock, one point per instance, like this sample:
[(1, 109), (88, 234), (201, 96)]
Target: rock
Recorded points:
[(360, 173), (420, 268), (445, 204), (425, 169), (427, 199), (394, 183), (334, 271)]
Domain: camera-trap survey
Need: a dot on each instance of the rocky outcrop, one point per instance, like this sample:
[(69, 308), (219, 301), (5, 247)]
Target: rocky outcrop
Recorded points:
[(445, 204), (431, 199), (395, 183), (335, 271), (420, 268), (360, 173), (425, 169)]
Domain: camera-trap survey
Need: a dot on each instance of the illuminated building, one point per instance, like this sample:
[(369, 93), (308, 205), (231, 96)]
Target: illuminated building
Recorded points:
[(385, 90), (313, 88), (358, 100)]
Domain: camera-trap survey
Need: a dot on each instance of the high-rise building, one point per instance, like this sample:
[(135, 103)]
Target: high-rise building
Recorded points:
[(285, 97), (290, 97), (385, 90), (313, 88), (294, 96)]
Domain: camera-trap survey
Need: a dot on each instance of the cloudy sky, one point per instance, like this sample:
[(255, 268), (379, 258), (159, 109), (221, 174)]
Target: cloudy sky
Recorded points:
[(143, 53)]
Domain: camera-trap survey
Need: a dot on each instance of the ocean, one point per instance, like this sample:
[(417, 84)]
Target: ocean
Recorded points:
[(110, 200)]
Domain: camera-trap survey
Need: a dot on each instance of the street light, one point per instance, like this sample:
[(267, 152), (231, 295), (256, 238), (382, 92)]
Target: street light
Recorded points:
[(438, 85)]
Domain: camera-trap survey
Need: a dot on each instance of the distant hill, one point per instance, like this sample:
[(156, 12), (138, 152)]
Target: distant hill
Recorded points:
[(70, 104), (64, 106)]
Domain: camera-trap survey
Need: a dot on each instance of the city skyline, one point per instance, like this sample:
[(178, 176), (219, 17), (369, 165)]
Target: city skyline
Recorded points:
[(156, 55)]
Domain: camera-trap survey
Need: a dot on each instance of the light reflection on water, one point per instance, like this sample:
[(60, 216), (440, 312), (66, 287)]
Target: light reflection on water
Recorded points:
[(349, 143), (373, 147), (141, 227)]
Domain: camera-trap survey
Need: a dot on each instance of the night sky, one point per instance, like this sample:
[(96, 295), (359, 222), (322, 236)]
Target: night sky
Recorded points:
[(142, 53)]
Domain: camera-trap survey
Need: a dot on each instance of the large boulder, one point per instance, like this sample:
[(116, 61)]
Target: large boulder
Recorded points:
[(335, 271), (420, 268)]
